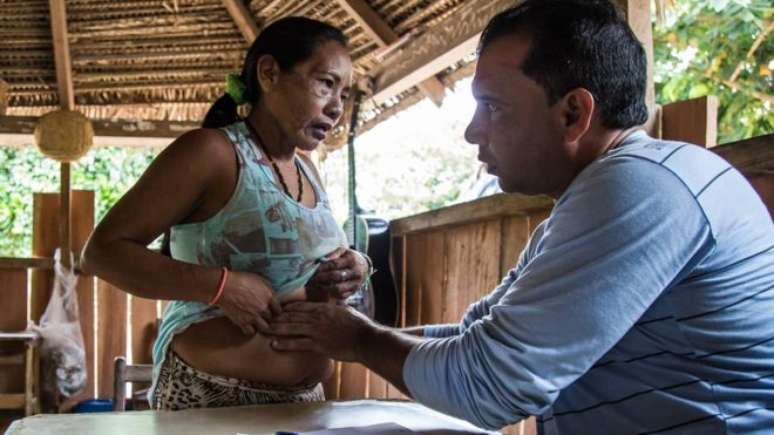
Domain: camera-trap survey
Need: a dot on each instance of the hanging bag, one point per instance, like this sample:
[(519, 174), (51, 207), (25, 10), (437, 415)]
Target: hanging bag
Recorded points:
[(62, 352)]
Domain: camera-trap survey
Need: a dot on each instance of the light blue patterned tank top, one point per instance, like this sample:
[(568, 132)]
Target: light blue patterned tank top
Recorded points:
[(260, 229)]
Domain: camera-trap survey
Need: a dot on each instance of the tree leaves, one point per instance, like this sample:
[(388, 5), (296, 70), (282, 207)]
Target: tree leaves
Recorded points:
[(23, 171), (699, 46)]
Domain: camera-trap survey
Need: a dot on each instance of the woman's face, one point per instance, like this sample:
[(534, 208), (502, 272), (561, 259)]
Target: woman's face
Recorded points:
[(307, 101)]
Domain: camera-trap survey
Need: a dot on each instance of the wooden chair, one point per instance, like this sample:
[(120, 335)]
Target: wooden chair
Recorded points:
[(29, 400), (124, 373)]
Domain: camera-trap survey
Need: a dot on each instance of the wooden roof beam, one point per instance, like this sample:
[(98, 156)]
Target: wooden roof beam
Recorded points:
[(376, 28), (64, 72), (243, 19), (435, 50), (457, 35), (18, 131)]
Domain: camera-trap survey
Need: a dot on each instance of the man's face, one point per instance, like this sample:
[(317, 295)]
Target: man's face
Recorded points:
[(519, 136)]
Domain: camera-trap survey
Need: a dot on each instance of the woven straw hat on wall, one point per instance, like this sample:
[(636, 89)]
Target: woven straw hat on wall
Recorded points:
[(64, 135)]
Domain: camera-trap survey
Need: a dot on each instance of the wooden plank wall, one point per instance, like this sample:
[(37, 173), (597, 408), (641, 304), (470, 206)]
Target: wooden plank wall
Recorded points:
[(13, 285), (112, 322), (442, 270)]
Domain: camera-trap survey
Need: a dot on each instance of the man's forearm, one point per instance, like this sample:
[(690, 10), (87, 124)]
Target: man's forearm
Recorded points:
[(384, 351)]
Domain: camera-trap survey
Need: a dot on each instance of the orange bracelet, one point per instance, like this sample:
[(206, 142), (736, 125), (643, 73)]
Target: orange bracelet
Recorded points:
[(221, 286)]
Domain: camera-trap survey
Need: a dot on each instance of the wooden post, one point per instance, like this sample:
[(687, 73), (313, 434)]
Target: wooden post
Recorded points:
[(3, 97), (31, 379), (694, 121), (637, 13), (65, 228), (64, 78)]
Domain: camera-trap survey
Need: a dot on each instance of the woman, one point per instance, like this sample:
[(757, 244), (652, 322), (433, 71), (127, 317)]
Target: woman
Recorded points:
[(249, 226)]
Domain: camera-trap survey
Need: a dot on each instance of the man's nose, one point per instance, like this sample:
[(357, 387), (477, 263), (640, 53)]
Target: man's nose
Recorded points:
[(475, 133)]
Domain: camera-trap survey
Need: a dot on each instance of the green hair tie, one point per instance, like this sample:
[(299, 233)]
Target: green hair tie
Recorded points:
[(235, 88)]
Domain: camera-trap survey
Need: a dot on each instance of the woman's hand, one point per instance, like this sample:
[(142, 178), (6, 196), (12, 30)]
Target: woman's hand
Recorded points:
[(248, 301), (339, 275)]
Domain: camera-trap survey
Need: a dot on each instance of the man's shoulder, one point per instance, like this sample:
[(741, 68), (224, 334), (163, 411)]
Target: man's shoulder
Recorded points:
[(693, 165), (647, 168)]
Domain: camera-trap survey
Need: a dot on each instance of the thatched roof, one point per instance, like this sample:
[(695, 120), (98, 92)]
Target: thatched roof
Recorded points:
[(166, 59)]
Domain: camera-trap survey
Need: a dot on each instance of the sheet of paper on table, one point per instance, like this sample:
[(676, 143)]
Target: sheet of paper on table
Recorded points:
[(380, 429)]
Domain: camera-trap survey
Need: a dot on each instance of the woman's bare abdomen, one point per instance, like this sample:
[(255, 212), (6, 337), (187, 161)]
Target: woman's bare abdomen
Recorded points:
[(219, 347)]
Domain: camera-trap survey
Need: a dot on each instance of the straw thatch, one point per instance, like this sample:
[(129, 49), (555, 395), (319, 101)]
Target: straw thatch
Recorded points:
[(166, 59)]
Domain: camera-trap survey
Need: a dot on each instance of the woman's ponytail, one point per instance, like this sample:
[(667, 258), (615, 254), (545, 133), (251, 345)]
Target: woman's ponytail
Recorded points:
[(222, 113)]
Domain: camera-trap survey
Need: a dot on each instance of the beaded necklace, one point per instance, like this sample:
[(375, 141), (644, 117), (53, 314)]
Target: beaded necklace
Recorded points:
[(261, 145)]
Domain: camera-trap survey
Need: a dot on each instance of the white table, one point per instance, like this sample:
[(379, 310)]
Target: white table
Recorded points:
[(262, 419)]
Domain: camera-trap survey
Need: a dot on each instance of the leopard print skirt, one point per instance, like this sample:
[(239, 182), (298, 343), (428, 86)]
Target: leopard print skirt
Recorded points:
[(181, 386)]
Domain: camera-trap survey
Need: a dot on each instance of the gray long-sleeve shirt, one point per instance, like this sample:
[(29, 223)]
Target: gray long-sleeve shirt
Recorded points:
[(643, 304)]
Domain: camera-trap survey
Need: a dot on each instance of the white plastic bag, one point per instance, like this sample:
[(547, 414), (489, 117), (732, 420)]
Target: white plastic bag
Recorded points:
[(62, 352)]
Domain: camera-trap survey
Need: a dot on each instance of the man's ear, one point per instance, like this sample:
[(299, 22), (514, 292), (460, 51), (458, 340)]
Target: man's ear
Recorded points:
[(577, 111), (267, 72)]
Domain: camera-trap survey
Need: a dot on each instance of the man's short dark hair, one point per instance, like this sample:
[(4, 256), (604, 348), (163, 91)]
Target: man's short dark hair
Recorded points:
[(580, 44)]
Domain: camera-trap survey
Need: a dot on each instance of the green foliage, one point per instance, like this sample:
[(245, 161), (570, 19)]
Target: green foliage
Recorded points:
[(699, 45), (107, 171)]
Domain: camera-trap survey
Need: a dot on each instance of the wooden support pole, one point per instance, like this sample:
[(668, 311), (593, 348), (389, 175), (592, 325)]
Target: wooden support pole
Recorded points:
[(65, 228), (694, 121), (64, 79), (637, 13), (3, 97)]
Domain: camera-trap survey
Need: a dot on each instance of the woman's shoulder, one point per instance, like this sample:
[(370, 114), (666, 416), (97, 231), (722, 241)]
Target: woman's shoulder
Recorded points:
[(206, 145)]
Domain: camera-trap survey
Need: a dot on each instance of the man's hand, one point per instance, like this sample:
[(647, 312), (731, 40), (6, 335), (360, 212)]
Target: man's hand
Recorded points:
[(336, 331), (343, 334), (339, 275)]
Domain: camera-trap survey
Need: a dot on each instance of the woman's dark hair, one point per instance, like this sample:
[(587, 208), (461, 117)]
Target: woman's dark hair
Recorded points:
[(289, 41), (580, 44)]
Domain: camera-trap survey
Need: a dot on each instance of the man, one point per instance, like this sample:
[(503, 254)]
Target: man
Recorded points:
[(643, 304)]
